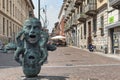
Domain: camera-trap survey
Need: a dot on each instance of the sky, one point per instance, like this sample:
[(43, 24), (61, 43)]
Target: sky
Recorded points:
[(52, 11)]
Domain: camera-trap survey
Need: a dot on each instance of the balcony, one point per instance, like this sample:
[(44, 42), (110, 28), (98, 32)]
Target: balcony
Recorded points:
[(74, 20), (67, 17), (72, 8), (70, 14), (78, 2), (115, 3), (81, 17), (69, 1), (65, 20), (91, 9), (65, 8)]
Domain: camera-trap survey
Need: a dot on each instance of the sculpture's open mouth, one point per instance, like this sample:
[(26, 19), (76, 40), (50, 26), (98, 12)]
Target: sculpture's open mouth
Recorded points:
[(31, 57), (32, 38)]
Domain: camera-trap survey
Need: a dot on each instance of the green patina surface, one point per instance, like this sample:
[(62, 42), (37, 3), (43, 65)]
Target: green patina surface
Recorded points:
[(32, 50)]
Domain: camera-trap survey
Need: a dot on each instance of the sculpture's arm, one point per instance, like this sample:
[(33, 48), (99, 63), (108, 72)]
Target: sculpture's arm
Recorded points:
[(20, 48), (43, 46), (18, 52), (18, 38)]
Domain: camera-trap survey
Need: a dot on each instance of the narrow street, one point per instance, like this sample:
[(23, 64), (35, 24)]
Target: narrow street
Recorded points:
[(66, 63)]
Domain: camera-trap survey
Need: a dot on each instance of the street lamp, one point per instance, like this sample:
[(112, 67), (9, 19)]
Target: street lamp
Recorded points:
[(45, 22), (39, 9)]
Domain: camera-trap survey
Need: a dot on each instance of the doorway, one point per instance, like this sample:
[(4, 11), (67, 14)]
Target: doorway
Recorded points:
[(89, 33)]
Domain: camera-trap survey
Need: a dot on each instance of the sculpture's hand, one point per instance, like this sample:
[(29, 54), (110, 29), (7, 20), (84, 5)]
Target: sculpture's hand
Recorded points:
[(19, 35), (41, 62), (18, 60)]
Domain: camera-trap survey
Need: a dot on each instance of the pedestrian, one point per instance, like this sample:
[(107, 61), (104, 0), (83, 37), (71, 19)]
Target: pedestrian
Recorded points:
[(90, 47)]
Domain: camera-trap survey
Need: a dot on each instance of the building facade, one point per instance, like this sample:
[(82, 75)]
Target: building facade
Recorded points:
[(12, 15), (93, 21), (61, 21), (113, 26), (101, 41), (55, 30)]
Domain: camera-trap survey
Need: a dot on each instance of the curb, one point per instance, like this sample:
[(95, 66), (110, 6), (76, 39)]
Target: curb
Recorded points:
[(114, 56)]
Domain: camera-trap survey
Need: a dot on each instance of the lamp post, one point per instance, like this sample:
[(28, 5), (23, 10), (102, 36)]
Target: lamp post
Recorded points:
[(39, 14), (39, 9)]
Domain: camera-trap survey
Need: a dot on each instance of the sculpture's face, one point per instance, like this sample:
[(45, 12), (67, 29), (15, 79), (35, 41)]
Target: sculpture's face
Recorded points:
[(32, 29)]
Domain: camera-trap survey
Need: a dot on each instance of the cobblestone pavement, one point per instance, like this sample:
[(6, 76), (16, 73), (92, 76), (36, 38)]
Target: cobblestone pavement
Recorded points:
[(65, 63)]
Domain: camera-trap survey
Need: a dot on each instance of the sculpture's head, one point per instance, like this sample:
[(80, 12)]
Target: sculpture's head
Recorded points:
[(32, 28)]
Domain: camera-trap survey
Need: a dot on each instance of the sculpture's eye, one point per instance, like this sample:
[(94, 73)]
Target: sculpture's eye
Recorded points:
[(28, 27), (36, 27)]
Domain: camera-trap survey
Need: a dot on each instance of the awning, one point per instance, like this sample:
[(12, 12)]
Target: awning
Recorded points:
[(58, 37), (113, 25)]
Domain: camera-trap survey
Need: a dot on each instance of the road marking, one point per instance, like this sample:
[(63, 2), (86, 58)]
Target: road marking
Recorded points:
[(71, 66), (75, 66), (8, 66)]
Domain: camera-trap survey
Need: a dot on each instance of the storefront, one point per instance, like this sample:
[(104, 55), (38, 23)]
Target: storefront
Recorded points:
[(114, 37)]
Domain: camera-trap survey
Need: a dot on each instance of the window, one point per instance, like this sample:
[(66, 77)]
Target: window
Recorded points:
[(100, 1), (84, 30), (13, 28), (3, 26), (3, 3), (13, 9), (81, 33), (10, 7), (94, 25), (88, 1), (81, 9), (102, 25), (78, 10), (7, 28), (7, 5), (10, 29)]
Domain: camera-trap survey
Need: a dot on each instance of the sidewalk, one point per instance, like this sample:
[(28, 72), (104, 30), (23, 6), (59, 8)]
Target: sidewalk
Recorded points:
[(114, 56)]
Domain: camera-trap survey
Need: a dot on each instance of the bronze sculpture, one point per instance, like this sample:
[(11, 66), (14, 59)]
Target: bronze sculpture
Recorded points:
[(32, 50)]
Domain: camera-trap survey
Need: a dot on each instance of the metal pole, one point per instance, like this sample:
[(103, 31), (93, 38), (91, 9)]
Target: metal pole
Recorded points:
[(39, 9)]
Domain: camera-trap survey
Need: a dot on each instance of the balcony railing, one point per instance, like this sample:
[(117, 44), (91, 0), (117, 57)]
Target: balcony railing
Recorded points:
[(81, 17), (72, 7), (115, 3), (91, 8), (74, 20), (69, 1), (78, 2)]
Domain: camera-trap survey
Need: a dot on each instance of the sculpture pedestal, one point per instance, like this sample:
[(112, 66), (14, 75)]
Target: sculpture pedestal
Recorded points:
[(33, 78)]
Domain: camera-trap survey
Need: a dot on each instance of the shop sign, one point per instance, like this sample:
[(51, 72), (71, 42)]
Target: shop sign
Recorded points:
[(111, 19)]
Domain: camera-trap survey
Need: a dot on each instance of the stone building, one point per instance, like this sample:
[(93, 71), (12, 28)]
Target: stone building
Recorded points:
[(113, 26), (55, 30), (80, 21), (86, 22), (61, 21), (12, 15), (100, 40)]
